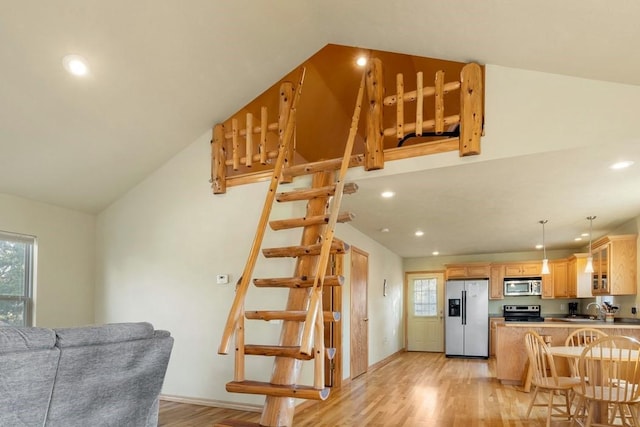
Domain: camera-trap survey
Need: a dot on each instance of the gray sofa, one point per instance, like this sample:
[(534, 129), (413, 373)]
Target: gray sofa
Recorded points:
[(109, 375)]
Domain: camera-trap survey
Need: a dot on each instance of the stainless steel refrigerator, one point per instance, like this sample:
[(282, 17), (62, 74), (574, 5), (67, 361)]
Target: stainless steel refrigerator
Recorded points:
[(467, 318)]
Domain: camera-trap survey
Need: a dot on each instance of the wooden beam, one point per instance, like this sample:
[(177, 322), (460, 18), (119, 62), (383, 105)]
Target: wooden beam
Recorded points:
[(391, 100), (286, 92), (218, 164), (374, 142), (427, 124), (439, 102), (471, 114), (419, 103), (249, 141), (263, 135), (400, 107), (280, 411), (235, 144)]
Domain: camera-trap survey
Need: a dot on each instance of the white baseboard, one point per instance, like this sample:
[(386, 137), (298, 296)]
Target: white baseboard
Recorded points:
[(211, 402)]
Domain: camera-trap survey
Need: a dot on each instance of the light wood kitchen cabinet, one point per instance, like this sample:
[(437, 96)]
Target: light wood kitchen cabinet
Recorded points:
[(523, 269), (559, 277), (467, 271), (496, 282), (493, 326), (578, 282), (614, 265)]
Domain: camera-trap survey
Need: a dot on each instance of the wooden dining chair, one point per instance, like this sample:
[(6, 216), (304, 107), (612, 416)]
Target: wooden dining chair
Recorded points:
[(581, 338), (545, 379), (609, 370)]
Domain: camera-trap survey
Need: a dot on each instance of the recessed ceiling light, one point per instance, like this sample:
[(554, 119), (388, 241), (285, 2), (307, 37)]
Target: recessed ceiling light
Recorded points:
[(584, 235), (621, 165), (361, 61), (76, 65), (384, 230), (387, 194), (419, 233), (538, 246), (435, 253), (578, 239)]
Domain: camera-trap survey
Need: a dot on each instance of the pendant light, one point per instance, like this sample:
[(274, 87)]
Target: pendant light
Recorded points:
[(545, 261), (589, 267)]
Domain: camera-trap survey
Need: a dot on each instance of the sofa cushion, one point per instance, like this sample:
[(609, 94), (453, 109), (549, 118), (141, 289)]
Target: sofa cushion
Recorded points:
[(22, 339), (103, 334)]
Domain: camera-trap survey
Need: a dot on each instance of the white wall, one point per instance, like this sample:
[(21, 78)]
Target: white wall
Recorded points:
[(65, 259)]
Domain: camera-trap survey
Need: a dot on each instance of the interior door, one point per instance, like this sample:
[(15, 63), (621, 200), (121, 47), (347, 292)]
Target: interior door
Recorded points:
[(425, 305), (359, 316)]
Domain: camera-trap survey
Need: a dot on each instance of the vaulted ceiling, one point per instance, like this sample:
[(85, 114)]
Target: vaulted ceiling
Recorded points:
[(163, 72)]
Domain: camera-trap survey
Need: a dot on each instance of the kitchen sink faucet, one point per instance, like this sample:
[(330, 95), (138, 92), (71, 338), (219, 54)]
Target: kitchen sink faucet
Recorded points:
[(600, 315)]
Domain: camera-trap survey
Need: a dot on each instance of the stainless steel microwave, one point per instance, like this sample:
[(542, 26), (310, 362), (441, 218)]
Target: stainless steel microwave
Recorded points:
[(522, 286)]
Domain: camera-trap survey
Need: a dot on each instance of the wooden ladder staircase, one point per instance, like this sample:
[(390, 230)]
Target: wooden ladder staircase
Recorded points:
[(302, 335)]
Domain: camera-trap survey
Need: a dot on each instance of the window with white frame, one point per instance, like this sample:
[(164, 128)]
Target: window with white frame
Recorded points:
[(425, 297), (16, 279)]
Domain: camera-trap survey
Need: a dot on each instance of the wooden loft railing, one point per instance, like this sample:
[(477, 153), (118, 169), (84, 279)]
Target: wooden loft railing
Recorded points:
[(470, 118), (250, 144)]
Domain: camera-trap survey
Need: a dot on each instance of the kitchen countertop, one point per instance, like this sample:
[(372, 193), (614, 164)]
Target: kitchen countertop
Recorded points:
[(564, 322)]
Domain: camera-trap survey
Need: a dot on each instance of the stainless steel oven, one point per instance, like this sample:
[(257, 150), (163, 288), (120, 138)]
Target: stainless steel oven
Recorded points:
[(523, 286)]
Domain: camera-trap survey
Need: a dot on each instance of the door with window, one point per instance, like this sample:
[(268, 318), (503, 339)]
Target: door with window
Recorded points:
[(16, 279), (425, 305)]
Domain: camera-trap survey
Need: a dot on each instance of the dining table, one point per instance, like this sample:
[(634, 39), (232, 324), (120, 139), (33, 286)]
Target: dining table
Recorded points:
[(601, 411)]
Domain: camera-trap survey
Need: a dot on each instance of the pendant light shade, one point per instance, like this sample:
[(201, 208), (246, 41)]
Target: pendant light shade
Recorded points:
[(545, 261), (589, 267)]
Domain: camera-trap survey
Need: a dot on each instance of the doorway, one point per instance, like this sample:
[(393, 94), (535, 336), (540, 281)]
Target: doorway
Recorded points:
[(359, 316), (424, 312)]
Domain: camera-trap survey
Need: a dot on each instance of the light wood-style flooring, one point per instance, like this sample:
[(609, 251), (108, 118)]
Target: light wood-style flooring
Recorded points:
[(412, 389)]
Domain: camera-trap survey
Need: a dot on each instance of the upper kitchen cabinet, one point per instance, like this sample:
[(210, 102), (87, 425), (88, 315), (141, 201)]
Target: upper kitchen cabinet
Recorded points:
[(467, 271), (531, 269), (559, 286), (496, 282), (614, 265)]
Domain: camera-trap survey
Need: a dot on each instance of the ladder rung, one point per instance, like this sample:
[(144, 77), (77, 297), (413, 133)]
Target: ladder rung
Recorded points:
[(337, 247), (276, 350), (268, 389), (282, 351), (322, 165), (295, 316), (297, 282), (282, 224), (311, 193)]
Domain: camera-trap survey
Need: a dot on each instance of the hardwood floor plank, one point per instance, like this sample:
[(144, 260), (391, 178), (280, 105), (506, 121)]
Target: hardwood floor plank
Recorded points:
[(412, 390)]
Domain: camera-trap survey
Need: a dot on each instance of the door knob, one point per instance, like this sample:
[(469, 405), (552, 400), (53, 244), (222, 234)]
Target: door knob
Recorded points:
[(366, 319)]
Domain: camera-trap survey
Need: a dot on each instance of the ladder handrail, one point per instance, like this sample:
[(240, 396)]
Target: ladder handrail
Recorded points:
[(236, 310), (316, 290)]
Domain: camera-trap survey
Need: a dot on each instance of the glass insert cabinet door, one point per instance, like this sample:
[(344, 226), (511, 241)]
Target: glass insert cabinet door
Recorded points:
[(599, 279)]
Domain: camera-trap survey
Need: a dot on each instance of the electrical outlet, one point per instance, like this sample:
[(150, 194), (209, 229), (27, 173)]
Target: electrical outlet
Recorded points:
[(561, 307), (222, 279)]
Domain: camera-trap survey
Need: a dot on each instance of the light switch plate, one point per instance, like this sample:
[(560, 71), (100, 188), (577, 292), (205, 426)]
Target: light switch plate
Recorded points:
[(222, 279)]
